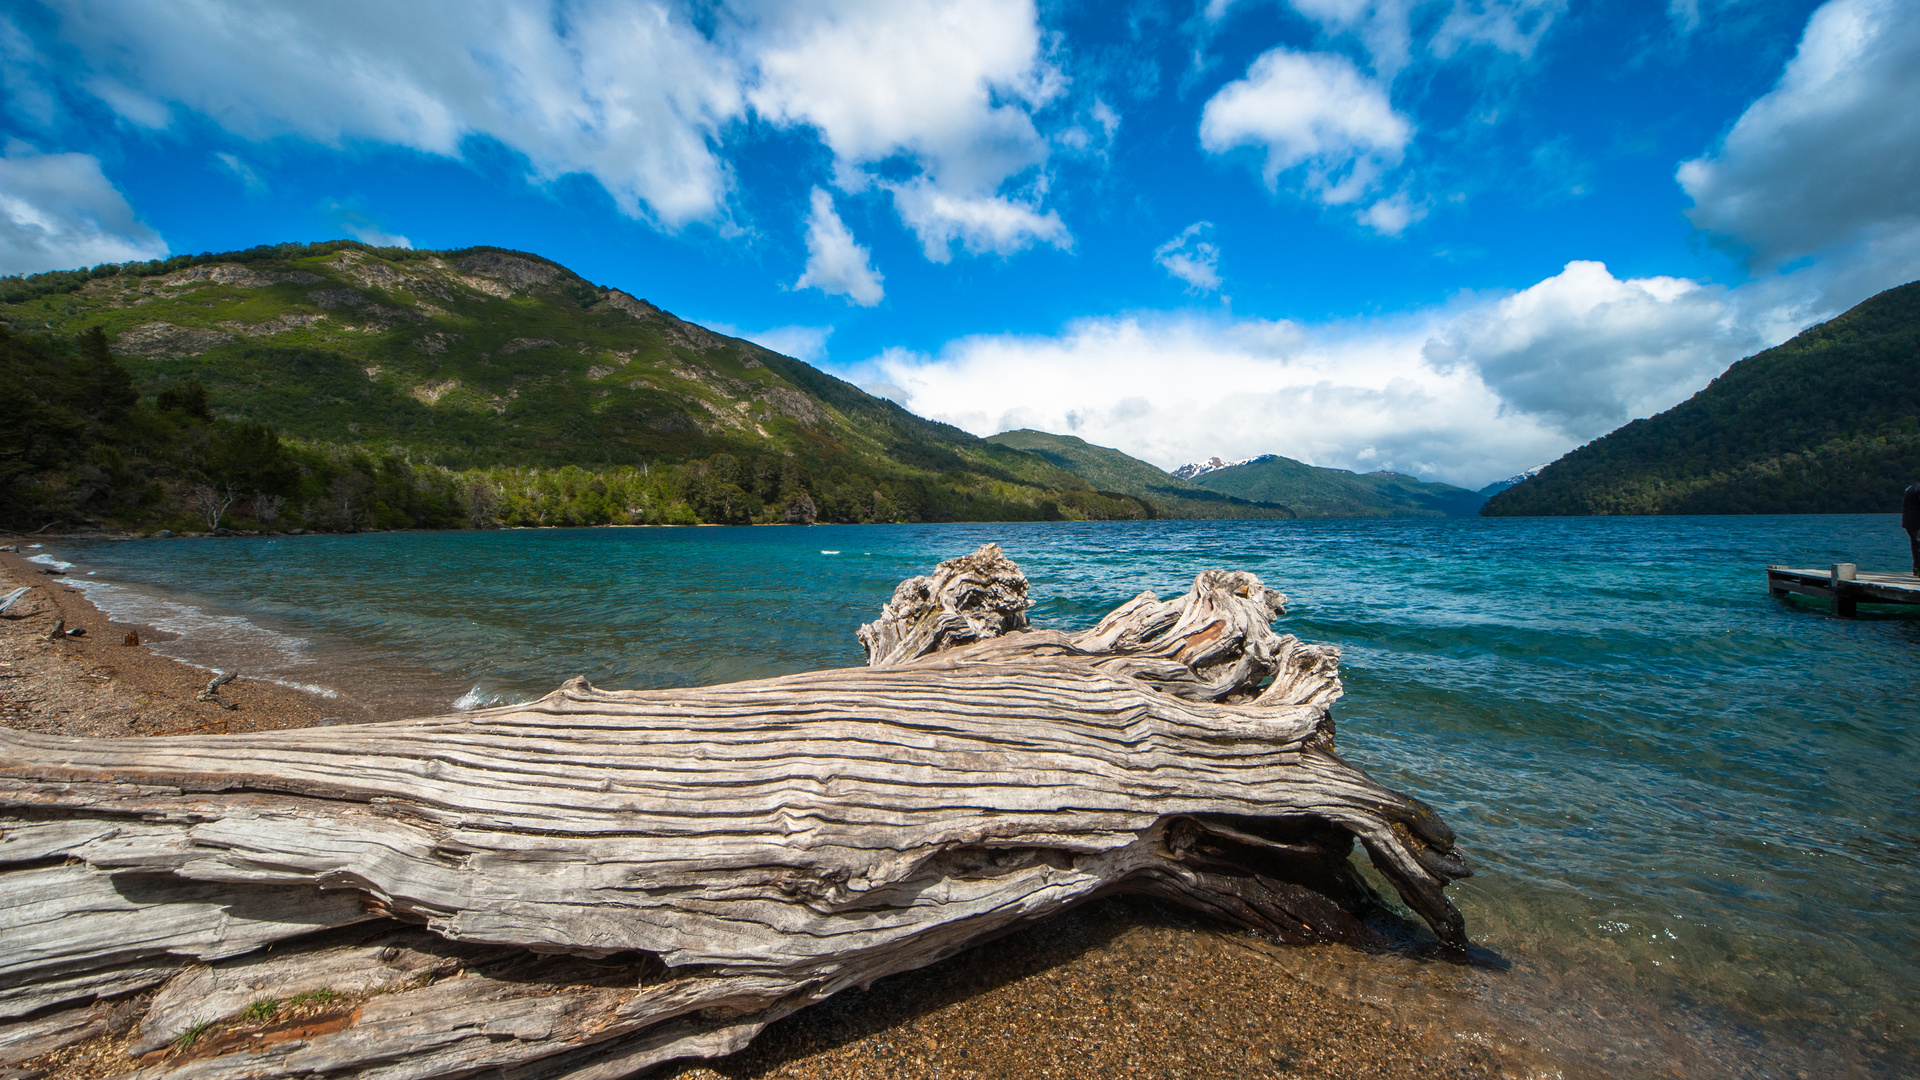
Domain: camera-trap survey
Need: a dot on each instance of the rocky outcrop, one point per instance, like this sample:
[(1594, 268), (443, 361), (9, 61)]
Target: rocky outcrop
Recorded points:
[(165, 341)]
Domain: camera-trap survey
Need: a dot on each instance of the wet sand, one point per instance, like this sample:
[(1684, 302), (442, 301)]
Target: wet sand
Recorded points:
[(97, 685), (1117, 987)]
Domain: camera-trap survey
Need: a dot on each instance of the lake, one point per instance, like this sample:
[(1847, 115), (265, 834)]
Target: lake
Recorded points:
[(1687, 803)]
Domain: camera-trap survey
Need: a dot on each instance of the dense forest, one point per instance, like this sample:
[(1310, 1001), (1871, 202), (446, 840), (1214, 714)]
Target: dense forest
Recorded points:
[(85, 448), (340, 386), (1826, 423)]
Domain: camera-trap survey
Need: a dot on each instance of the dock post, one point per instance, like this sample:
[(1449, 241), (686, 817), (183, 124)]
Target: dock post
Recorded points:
[(1842, 573)]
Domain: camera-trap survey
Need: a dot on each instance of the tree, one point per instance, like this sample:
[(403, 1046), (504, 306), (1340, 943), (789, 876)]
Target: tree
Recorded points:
[(211, 502), (189, 399), (480, 505), (349, 491), (266, 508)]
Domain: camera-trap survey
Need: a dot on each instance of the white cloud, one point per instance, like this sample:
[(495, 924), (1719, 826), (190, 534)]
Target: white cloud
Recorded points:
[(242, 172), (26, 79), (836, 265), (1587, 351), (807, 343), (982, 223), (1384, 26), (1191, 259), (60, 212), (631, 94), (1174, 389), (355, 223), (132, 106), (944, 87), (1510, 26), (1391, 216), (1310, 111), (936, 97), (1466, 393), (1831, 156)]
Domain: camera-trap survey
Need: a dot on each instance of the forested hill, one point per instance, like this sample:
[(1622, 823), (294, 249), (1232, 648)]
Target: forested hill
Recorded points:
[(1111, 470), (1827, 423), (1317, 492), (420, 388)]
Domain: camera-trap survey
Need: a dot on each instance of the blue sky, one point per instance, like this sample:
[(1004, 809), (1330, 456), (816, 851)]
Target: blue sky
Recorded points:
[(1451, 237)]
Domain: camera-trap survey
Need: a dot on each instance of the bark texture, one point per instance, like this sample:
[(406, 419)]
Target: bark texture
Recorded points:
[(599, 881)]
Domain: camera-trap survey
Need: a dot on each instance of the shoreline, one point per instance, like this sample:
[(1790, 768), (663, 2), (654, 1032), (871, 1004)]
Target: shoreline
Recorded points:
[(1115, 984), (98, 686)]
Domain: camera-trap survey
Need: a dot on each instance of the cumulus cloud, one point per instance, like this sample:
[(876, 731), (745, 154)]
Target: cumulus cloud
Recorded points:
[(981, 223), (934, 97), (836, 264), (1174, 389), (1391, 216), (59, 212), (1314, 112), (1587, 351), (1467, 393), (946, 87), (1829, 157), (631, 94), (1383, 26), (1190, 258)]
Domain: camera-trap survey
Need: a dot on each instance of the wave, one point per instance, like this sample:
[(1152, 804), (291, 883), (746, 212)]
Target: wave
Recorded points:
[(209, 641), (480, 697)]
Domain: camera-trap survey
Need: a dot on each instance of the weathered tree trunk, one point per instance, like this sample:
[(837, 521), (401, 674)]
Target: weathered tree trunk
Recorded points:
[(598, 881)]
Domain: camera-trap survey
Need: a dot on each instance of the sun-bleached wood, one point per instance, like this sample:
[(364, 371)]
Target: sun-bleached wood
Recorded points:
[(598, 881)]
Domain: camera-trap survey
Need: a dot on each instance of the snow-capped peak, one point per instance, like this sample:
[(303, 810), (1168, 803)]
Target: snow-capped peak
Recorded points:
[(1212, 464)]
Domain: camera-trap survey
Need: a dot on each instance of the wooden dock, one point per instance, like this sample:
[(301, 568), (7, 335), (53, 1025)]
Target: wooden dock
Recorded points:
[(1845, 586)]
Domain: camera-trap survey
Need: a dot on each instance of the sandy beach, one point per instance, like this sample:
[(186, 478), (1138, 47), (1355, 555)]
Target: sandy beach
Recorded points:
[(1116, 987), (98, 685)]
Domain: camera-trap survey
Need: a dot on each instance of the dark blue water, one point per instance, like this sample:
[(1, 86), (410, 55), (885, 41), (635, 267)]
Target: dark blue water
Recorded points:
[(1686, 801)]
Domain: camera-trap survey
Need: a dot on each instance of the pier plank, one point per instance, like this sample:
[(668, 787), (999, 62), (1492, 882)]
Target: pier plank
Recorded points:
[(1845, 593)]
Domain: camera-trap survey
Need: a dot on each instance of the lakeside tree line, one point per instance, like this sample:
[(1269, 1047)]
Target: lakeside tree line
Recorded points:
[(85, 448)]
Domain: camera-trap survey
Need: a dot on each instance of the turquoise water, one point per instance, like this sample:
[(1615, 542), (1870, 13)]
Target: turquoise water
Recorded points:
[(1691, 806)]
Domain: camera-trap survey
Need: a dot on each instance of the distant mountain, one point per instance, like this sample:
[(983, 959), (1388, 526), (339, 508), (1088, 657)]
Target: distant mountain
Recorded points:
[(1499, 486), (1202, 468), (485, 358), (1110, 470), (1827, 423), (1312, 491)]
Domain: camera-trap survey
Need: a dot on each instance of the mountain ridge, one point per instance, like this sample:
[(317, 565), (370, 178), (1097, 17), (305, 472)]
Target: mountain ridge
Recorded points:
[(1316, 491), (1111, 470), (490, 359), (1826, 422)]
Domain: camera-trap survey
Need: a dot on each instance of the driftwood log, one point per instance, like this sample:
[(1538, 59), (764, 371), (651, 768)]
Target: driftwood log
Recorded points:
[(590, 884)]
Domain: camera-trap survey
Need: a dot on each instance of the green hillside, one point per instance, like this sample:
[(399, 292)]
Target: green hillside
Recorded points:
[(1110, 470), (1315, 492), (491, 371), (1827, 423)]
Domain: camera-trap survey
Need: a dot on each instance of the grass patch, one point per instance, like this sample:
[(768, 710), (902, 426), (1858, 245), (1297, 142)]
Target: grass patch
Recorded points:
[(191, 1034), (322, 996), (262, 1009)]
